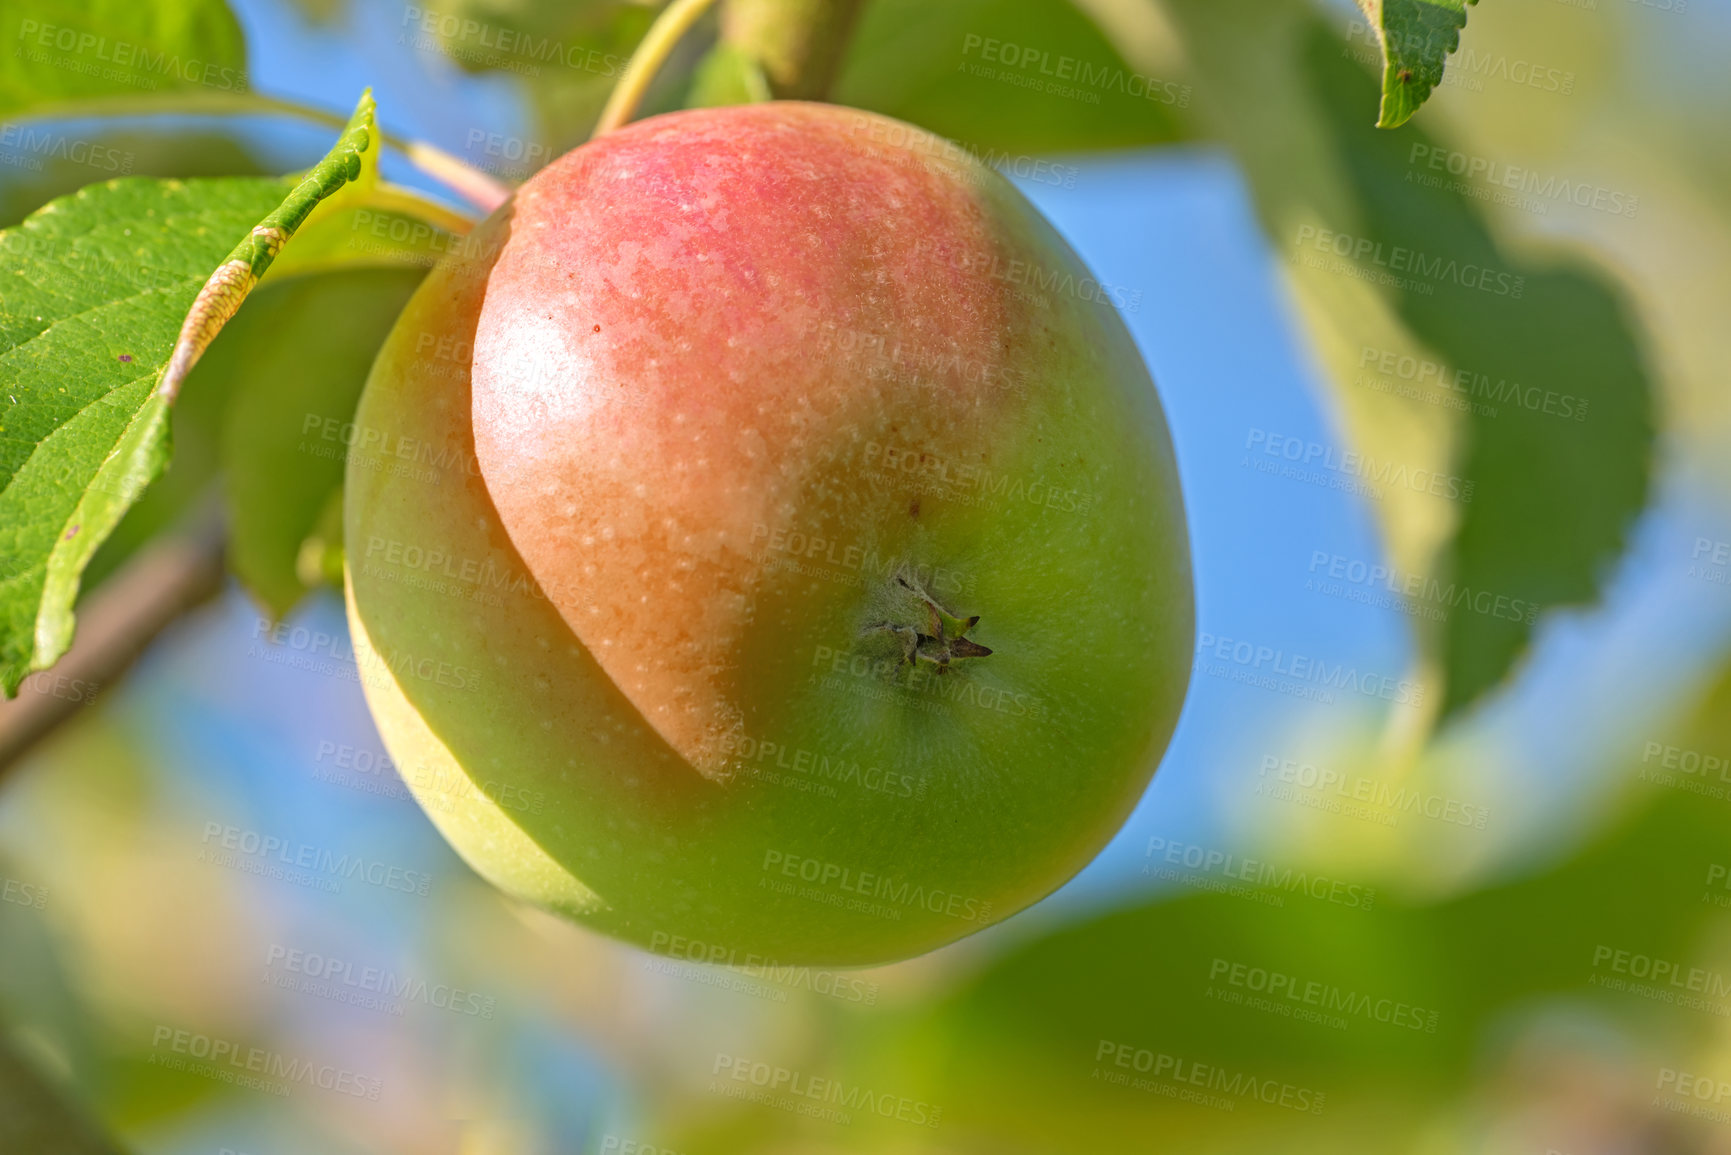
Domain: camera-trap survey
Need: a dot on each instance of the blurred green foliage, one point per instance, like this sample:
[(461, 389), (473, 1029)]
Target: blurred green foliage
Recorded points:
[(295, 361), (1504, 1012)]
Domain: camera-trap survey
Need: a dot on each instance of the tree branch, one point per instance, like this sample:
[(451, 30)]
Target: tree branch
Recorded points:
[(161, 582)]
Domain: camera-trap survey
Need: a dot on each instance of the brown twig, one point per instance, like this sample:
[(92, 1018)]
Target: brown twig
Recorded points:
[(157, 585)]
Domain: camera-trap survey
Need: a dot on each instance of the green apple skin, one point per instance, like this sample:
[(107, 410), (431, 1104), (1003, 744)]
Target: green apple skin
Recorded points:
[(670, 501)]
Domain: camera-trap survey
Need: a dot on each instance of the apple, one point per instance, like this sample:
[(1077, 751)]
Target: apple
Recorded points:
[(765, 544)]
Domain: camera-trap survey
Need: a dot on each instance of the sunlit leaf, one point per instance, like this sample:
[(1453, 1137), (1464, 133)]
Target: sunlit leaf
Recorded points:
[(1500, 403), (1017, 76), (58, 51), (109, 297)]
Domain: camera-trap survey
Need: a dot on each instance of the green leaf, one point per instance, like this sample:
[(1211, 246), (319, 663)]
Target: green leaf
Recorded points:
[(727, 76), (1220, 974), (66, 50), (108, 301), (359, 227), (1559, 443), (1341, 1002), (1015, 76), (196, 420), (1416, 37), (1515, 386), (39, 157), (565, 57), (299, 355)]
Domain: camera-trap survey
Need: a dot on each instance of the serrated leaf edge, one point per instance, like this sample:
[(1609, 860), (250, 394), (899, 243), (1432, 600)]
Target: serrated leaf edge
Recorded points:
[(1398, 104)]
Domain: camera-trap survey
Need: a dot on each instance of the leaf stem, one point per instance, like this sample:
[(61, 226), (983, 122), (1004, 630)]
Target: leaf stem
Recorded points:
[(471, 183), (658, 44), (798, 43), (234, 279)]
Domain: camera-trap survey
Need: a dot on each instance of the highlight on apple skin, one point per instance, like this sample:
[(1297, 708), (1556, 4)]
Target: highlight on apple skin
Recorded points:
[(765, 543)]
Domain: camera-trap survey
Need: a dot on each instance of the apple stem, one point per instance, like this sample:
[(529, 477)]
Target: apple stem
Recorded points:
[(658, 44), (798, 43)]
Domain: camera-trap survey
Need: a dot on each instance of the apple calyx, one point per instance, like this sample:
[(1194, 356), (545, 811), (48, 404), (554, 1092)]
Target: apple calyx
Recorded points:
[(928, 633)]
